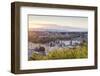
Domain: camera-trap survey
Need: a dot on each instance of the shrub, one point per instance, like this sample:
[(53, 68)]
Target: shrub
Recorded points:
[(64, 53)]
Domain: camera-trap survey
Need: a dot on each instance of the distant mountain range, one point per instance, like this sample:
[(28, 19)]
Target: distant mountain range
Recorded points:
[(57, 28)]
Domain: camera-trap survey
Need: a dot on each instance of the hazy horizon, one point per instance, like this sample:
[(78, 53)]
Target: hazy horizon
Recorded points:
[(58, 23)]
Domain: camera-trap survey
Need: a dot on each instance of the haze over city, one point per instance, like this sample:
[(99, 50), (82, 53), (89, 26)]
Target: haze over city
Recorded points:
[(61, 23)]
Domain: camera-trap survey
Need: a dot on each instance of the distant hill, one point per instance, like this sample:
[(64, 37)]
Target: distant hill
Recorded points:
[(57, 28)]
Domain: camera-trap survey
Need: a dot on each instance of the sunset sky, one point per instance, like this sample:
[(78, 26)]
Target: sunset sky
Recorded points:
[(57, 22)]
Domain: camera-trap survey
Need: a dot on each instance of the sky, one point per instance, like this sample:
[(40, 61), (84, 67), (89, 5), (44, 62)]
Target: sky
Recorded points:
[(57, 22)]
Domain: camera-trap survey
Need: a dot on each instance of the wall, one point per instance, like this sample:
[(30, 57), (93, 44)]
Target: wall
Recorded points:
[(5, 33)]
